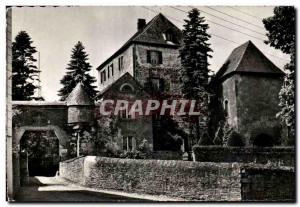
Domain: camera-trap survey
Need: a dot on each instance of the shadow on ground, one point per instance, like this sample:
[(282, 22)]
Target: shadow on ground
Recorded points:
[(51, 189)]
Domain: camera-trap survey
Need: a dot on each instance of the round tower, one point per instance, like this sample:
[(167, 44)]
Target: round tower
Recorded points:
[(80, 106)]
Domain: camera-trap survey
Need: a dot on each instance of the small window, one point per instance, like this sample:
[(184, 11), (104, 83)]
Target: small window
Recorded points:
[(154, 57), (128, 143), (103, 76), (121, 63), (112, 69), (226, 108), (108, 73), (127, 88), (169, 37), (123, 114), (157, 84)]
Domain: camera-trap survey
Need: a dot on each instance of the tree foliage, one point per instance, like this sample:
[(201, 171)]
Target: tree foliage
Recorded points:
[(194, 55), (281, 35), (25, 73), (78, 71)]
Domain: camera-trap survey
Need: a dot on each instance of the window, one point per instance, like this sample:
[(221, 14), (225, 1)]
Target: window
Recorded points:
[(123, 114), (103, 76), (128, 143), (157, 84), (226, 108), (121, 64), (127, 88), (112, 69), (108, 73), (169, 36), (154, 57)]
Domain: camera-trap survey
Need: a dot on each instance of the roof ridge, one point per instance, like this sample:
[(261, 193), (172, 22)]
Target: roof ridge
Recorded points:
[(241, 56)]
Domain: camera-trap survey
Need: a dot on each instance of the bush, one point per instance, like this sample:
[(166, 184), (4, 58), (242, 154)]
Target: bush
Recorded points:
[(234, 139), (112, 149)]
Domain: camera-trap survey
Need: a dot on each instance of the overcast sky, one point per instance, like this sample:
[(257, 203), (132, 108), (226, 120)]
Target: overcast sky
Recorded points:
[(103, 30)]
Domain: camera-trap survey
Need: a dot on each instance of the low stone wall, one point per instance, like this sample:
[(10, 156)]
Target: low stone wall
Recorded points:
[(268, 184), (72, 169), (283, 155), (179, 179), (202, 181)]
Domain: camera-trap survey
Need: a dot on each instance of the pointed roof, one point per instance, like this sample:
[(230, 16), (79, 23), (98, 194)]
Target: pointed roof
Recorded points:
[(152, 33), (79, 97), (247, 58)]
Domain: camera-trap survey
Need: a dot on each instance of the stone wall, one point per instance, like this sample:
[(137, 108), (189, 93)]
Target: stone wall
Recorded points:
[(268, 185), (72, 169), (202, 181), (168, 70), (283, 155), (257, 106), (187, 180)]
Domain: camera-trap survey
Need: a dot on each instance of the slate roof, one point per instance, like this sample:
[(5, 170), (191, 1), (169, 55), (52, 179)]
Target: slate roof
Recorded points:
[(152, 33), (79, 97), (247, 58)]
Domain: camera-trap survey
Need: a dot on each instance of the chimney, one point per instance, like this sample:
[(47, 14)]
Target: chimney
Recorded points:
[(141, 24)]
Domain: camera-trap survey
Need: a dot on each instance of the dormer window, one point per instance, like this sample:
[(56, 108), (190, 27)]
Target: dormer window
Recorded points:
[(169, 36)]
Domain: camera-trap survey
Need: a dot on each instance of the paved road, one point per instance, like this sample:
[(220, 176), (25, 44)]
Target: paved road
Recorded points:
[(53, 189)]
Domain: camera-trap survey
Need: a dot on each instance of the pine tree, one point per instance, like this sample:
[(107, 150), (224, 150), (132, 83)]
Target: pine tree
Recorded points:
[(24, 73), (281, 34), (78, 71), (194, 59)]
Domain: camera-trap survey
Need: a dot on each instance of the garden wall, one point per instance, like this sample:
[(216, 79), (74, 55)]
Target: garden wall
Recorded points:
[(268, 184), (283, 155), (203, 181), (187, 180), (72, 169)]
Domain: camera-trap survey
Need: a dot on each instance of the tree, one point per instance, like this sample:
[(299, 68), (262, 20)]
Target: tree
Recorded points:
[(78, 71), (24, 73), (281, 35), (194, 55)]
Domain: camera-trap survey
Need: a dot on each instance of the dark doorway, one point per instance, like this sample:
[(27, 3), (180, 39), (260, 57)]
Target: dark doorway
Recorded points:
[(42, 149), (263, 140)]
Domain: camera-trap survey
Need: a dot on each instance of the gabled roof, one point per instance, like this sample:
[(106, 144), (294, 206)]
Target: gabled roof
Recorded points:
[(152, 33), (126, 78), (247, 58), (79, 97)]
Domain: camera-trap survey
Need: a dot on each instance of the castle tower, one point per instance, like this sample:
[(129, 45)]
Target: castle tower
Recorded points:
[(249, 84), (80, 106)]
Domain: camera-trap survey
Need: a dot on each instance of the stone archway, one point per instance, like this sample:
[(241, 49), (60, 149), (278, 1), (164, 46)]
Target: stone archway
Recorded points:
[(59, 134)]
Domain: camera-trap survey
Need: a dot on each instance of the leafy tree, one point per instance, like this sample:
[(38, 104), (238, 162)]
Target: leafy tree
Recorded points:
[(78, 71), (281, 35), (24, 71), (194, 55)]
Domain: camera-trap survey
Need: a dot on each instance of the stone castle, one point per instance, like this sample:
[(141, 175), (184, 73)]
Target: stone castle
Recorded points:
[(146, 66)]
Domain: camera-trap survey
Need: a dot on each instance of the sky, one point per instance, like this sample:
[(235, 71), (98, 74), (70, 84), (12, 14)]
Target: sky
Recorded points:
[(103, 30)]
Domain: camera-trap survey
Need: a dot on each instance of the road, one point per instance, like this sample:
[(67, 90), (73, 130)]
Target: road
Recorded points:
[(54, 189)]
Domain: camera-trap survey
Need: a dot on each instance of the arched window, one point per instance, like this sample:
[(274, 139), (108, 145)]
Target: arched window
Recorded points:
[(127, 88), (226, 108)]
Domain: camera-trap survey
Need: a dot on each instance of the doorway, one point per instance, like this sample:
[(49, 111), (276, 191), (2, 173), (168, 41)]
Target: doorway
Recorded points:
[(40, 151)]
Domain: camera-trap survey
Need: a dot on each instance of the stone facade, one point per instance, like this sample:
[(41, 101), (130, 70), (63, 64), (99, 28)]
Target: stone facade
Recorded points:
[(247, 87)]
